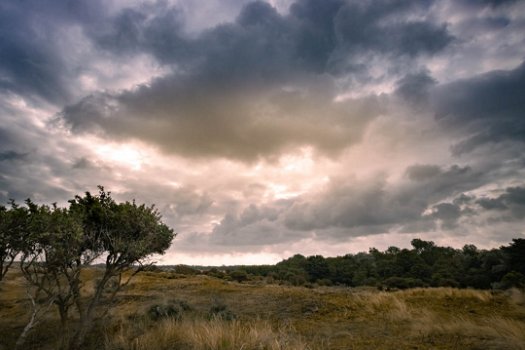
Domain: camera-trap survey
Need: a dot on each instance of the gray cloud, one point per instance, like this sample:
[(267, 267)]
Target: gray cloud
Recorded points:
[(254, 226), (484, 210), (415, 88), (353, 204), (510, 203), (488, 108), (12, 155), (249, 229), (492, 3), (362, 26), (491, 203), (32, 63), (447, 213), (349, 208), (308, 38)]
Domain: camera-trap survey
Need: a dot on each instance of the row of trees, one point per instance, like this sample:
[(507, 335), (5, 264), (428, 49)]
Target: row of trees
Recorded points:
[(53, 246), (425, 264)]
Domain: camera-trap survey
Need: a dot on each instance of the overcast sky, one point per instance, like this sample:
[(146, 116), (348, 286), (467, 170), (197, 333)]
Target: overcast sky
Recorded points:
[(264, 129)]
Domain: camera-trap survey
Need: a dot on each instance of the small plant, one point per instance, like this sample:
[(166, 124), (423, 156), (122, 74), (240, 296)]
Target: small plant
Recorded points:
[(219, 310), (174, 310)]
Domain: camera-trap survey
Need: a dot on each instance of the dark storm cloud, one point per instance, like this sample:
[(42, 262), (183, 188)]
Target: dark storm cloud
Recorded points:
[(415, 87), (12, 155), (157, 29), (491, 204), (489, 108), (31, 62), (510, 203), (309, 37), (254, 87), (11, 147), (492, 3), (375, 25), (447, 213), (32, 164), (505, 208)]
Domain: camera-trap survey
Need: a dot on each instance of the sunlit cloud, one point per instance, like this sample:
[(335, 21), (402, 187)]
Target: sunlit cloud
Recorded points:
[(126, 155)]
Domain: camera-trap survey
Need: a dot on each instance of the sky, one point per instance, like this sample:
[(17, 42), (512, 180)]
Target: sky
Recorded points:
[(262, 129)]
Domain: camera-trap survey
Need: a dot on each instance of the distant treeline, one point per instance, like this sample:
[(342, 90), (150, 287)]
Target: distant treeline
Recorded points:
[(424, 265)]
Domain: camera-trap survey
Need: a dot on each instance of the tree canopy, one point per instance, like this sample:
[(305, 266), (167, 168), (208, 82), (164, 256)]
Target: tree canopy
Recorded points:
[(55, 245)]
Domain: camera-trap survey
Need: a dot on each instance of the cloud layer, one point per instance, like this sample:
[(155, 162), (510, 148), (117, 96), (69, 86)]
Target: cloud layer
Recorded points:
[(262, 129)]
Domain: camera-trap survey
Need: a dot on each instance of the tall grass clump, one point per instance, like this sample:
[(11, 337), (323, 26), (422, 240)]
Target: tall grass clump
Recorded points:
[(213, 334)]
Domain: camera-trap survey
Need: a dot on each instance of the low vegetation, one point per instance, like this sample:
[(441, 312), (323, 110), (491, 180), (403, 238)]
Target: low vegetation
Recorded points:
[(425, 265), (164, 310)]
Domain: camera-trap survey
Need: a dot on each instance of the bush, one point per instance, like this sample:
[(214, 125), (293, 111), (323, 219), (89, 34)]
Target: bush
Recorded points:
[(403, 283), (215, 272), (219, 310), (447, 282), (239, 275), (185, 270), (512, 279), (175, 310)]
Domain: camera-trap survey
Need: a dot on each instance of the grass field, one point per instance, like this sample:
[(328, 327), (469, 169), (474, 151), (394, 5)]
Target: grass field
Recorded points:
[(161, 310)]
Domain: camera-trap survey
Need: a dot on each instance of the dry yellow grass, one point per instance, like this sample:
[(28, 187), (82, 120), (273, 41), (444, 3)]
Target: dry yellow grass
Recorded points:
[(214, 334), (283, 317)]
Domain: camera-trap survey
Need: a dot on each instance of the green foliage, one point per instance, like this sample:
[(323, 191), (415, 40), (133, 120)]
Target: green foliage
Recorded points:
[(515, 254), (14, 230), (317, 268), (513, 279), (126, 232), (426, 264)]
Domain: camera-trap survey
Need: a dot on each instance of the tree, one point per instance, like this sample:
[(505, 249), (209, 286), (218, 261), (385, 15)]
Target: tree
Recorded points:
[(13, 229), (512, 279), (63, 242), (426, 249), (515, 253), (126, 234), (317, 268), (51, 263)]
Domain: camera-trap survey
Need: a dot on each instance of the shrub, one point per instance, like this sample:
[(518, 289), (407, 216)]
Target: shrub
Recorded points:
[(185, 270), (219, 310), (174, 310), (239, 275), (512, 279), (403, 283)]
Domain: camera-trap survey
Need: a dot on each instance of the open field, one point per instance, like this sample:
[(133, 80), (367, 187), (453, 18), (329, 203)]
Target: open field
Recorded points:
[(162, 310)]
